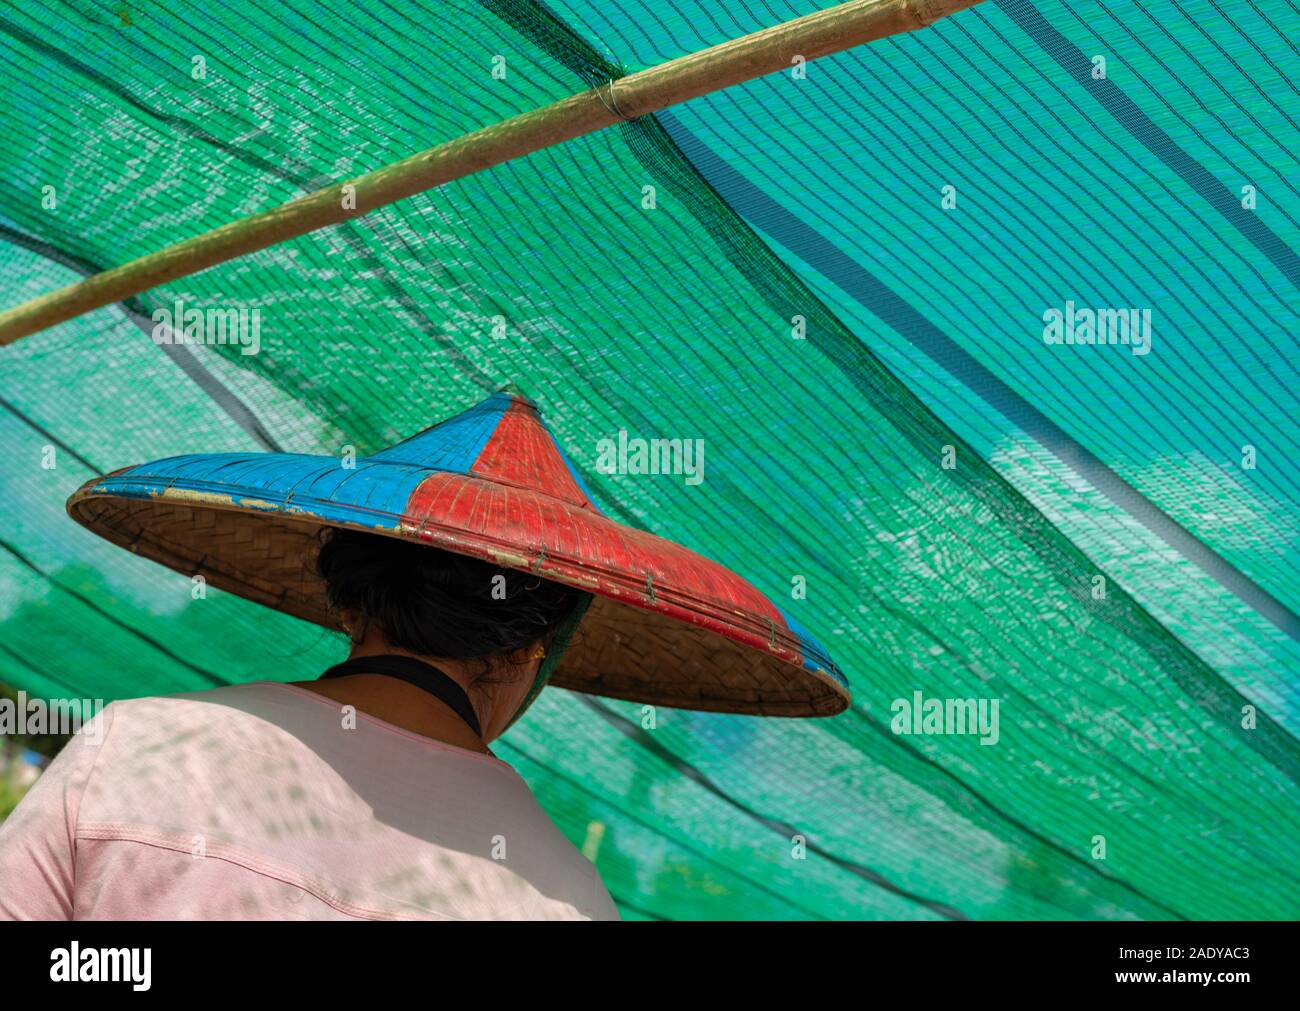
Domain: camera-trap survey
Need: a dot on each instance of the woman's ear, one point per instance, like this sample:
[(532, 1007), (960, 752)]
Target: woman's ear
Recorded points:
[(526, 658), (355, 625)]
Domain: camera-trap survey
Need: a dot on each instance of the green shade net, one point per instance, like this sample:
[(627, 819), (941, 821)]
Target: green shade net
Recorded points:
[(1123, 783)]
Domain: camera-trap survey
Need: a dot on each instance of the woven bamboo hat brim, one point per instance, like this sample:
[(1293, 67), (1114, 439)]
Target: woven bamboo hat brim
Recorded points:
[(666, 626)]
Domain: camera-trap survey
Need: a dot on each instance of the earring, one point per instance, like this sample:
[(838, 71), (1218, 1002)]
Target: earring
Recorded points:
[(539, 654)]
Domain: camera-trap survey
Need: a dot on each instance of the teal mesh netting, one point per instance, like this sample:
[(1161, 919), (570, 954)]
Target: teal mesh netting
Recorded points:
[(820, 198)]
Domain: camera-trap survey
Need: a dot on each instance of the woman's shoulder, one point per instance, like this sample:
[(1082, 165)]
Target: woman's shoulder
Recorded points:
[(257, 701), (279, 716)]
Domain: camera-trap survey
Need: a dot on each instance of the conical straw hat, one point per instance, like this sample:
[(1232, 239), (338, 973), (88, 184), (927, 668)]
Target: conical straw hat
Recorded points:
[(665, 626)]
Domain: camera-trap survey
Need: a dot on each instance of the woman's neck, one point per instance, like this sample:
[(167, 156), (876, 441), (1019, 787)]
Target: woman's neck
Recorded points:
[(403, 704)]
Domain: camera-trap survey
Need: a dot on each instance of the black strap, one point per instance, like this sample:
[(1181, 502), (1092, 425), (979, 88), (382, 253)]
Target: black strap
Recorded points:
[(412, 671)]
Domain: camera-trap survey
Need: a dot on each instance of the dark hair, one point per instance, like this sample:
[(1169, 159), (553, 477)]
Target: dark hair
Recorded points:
[(436, 603)]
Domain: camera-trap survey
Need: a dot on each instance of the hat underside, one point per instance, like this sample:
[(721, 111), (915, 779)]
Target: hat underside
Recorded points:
[(625, 649)]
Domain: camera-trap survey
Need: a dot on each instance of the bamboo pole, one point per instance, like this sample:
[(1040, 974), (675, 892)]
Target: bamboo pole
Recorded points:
[(772, 49)]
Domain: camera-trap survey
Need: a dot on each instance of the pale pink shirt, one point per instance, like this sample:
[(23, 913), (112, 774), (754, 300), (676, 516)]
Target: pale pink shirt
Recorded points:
[(256, 802)]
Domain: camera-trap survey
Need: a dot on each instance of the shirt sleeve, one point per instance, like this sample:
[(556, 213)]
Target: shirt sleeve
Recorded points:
[(38, 847)]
